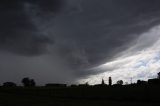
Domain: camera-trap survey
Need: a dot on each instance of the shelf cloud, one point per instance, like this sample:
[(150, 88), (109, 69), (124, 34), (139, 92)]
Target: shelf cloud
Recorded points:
[(63, 40)]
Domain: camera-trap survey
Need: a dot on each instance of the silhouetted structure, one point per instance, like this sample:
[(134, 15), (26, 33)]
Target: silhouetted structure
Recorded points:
[(73, 85), (154, 81), (9, 84), (32, 82), (103, 83), (139, 82), (159, 75), (56, 85), (110, 81), (120, 82), (28, 82), (84, 85)]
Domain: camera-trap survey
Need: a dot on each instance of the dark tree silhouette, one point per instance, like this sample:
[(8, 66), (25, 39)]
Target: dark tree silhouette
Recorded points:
[(103, 83), (9, 84), (110, 81), (159, 75), (32, 82), (120, 82), (28, 82)]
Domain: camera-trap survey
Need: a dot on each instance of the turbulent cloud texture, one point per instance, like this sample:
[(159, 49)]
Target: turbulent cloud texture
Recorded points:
[(62, 40), (141, 61)]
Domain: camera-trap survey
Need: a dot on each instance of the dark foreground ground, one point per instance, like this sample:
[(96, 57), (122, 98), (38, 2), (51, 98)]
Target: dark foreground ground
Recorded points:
[(81, 96)]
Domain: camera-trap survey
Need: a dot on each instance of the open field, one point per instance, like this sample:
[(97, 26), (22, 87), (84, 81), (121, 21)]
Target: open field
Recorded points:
[(81, 96)]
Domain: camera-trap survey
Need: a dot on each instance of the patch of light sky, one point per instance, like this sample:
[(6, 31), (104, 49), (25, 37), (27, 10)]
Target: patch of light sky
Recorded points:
[(140, 62)]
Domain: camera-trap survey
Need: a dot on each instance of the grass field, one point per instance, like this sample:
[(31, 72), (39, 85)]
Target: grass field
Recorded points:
[(80, 96)]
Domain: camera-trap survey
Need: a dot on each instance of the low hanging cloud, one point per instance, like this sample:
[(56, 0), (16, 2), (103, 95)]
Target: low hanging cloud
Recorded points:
[(72, 36), (17, 32)]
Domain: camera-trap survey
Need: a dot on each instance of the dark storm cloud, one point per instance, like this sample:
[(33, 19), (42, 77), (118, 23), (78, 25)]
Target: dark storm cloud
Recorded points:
[(101, 29), (17, 32), (81, 33)]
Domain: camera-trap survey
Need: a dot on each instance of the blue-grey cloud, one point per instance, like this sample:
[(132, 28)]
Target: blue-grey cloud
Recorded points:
[(81, 33)]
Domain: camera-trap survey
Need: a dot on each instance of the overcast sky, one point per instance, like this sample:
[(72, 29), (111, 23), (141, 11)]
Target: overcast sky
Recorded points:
[(68, 41)]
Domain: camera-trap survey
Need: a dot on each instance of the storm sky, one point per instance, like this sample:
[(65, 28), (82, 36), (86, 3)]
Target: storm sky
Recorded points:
[(69, 41)]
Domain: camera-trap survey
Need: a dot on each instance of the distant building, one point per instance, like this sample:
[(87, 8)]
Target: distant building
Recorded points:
[(139, 82), (56, 85), (154, 81), (84, 85), (73, 85)]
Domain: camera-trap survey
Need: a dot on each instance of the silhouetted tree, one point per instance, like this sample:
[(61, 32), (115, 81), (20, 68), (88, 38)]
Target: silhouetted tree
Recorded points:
[(159, 75), (110, 81), (28, 82), (9, 84), (120, 82), (103, 83), (32, 82)]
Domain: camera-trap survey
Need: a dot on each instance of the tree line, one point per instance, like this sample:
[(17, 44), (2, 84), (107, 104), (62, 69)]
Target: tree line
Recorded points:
[(27, 82)]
